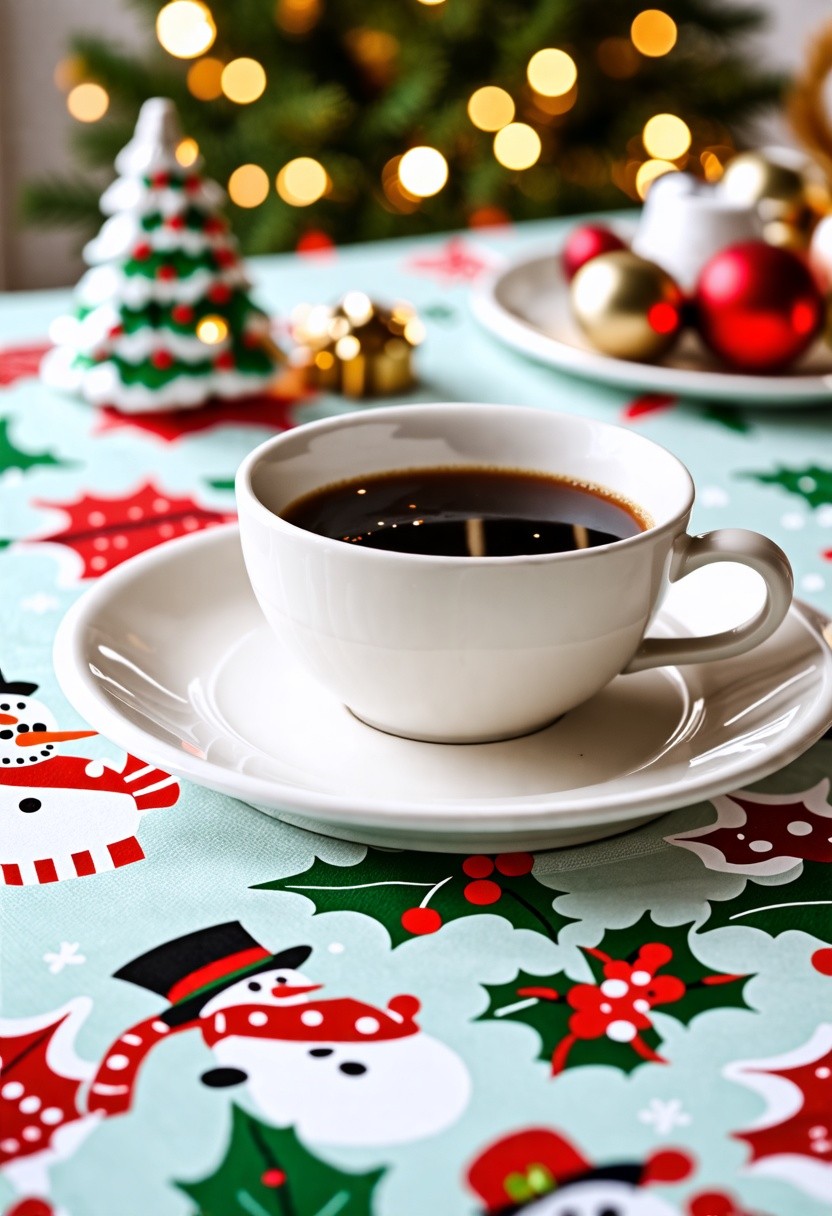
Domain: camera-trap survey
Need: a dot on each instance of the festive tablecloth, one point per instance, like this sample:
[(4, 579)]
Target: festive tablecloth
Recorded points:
[(637, 1027)]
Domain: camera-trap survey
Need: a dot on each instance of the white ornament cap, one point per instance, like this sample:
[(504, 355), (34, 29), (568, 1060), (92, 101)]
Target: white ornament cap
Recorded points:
[(153, 146)]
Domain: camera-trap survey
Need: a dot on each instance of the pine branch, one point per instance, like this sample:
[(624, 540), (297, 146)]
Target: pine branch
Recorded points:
[(59, 202)]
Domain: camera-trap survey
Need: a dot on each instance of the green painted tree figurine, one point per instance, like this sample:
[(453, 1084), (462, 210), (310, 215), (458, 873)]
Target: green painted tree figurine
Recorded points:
[(163, 319)]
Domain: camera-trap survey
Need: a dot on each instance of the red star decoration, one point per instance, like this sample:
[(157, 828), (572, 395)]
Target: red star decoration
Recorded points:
[(455, 261), (21, 362), (274, 410), (647, 403)]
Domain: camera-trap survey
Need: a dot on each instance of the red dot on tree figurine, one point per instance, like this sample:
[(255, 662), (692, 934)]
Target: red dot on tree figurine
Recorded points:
[(162, 359), (483, 891), (192, 184), (142, 251), (225, 361), (219, 293), (182, 314), (213, 225), (478, 866), (420, 921), (225, 257), (176, 222), (116, 331), (160, 180), (273, 1178), (166, 273), (513, 865)]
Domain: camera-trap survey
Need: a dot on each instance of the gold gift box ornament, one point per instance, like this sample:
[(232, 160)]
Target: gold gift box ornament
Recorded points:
[(357, 347)]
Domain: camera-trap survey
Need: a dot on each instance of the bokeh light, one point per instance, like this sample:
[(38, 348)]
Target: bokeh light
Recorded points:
[(666, 137), (185, 28), (490, 108), (187, 151), (649, 171), (551, 72), (211, 330), (205, 78), (617, 58), (653, 32), (68, 72), (297, 17), (423, 171), (517, 146), (248, 186), (243, 80), (88, 102), (302, 181)]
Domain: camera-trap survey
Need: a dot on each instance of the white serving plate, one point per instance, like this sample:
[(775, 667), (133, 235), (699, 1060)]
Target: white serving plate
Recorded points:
[(169, 657)]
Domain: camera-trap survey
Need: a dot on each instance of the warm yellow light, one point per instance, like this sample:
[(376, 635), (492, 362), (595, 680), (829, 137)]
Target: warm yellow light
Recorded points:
[(666, 136), (248, 186), (551, 72), (187, 150), (653, 32), (212, 330), (423, 171), (414, 331), (649, 171), (431, 3), (347, 348), (243, 81), (205, 78), (88, 102), (490, 108), (297, 16), (517, 146), (302, 181), (358, 306), (712, 166), (185, 28)]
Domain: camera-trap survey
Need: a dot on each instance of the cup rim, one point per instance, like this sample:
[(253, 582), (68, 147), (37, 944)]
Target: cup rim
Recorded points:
[(244, 490)]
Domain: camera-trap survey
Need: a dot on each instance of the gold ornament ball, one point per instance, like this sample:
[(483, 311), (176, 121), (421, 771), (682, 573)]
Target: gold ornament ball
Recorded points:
[(778, 190), (628, 307)]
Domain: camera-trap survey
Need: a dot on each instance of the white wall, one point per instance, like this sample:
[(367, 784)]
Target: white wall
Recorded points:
[(34, 125)]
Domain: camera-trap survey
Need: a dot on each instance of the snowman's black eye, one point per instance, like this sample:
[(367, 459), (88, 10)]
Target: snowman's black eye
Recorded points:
[(353, 1070), (6, 734), (254, 986), (610, 1212), (5, 706), (27, 805), (22, 728), (280, 979), (21, 705), (39, 726)]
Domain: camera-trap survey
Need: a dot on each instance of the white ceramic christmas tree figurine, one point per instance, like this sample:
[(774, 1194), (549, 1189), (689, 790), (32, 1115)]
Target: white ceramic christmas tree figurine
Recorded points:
[(163, 317)]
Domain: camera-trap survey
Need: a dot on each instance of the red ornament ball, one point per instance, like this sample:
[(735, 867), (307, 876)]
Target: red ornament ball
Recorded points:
[(420, 921), (478, 866), (176, 222), (160, 180), (758, 306), (514, 865), (225, 361), (219, 293), (482, 891), (166, 273), (162, 359), (585, 243), (142, 251), (182, 314)]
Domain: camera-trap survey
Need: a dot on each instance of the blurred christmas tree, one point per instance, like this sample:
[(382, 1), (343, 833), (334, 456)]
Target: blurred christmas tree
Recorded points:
[(363, 119)]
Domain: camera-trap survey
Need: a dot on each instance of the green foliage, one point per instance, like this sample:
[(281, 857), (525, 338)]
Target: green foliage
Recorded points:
[(802, 904), (266, 1171), (394, 887), (573, 1018), (12, 457), (369, 79), (813, 484)]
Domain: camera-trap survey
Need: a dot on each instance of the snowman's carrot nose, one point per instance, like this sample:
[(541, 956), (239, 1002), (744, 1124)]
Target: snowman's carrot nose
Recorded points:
[(290, 990), (7, 720), (31, 738)]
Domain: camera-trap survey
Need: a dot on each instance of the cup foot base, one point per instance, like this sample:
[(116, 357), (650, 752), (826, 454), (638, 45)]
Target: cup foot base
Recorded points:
[(455, 741)]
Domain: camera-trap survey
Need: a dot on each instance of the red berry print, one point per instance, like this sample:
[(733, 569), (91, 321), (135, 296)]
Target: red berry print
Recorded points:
[(219, 293), (478, 866), (166, 273), (142, 251), (714, 1203), (162, 359), (224, 361), (273, 1178), (482, 892), (514, 865), (182, 314), (822, 961), (31, 1207), (420, 921), (176, 222)]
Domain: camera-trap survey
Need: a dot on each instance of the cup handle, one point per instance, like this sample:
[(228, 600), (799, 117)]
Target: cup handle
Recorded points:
[(724, 545)]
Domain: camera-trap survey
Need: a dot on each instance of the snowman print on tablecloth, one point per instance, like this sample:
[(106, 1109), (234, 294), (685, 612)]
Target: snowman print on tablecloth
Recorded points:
[(66, 816), (338, 1070)]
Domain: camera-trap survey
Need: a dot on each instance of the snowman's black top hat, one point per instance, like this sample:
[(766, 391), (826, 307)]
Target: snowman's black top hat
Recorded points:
[(190, 970), (21, 687)]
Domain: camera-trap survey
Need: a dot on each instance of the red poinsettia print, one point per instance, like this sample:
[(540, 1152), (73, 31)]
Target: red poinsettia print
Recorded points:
[(793, 1137), (764, 833), (275, 410), (457, 261), (41, 1079), (104, 532), (21, 362)]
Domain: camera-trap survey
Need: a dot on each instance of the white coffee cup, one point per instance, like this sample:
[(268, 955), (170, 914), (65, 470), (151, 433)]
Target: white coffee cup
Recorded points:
[(472, 649)]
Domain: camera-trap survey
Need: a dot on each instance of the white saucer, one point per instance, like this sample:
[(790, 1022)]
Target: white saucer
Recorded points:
[(169, 657), (526, 306)]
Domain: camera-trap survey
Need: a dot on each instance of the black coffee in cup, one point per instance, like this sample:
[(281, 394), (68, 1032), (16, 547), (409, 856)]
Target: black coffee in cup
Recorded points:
[(467, 512)]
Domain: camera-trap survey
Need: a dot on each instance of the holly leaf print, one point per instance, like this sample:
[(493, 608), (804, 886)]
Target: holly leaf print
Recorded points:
[(266, 1171), (811, 483), (413, 894), (804, 903), (13, 457), (610, 1020)]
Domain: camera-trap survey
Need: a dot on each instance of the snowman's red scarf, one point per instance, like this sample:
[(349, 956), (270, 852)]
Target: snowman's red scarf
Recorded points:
[(340, 1020)]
